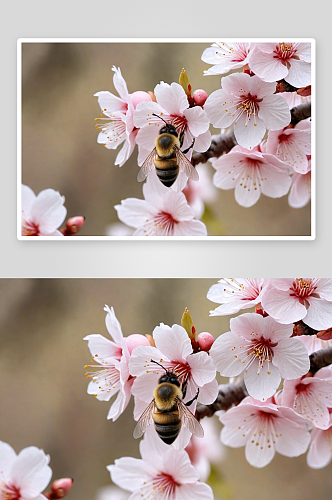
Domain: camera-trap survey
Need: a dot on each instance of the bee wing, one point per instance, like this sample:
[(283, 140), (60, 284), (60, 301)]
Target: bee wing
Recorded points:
[(185, 165), (188, 420), (144, 420), (147, 166)]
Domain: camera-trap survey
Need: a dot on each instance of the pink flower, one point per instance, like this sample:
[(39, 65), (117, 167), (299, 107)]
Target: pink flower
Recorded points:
[(235, 294), (261, 348), (251, 173), (163, 212), (264, 428), (42, 214), (225, 57), (174, 351), (118, 126), (162, 473), (310, 397), (291, 299), (300, 191), (320, 450), (23, 476), (172, 105), (291, 146), (112, 376), (249, 103), (200, 193), (312, 343), (288, 61)]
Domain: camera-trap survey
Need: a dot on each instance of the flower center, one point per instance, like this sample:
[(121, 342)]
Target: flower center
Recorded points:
[(114, 126), (9, 492), (303, 288), (248, 105), (262, 351), (106, 377), (179, 122), (29, 228), (161, 487), (161, 225), (285, 50)]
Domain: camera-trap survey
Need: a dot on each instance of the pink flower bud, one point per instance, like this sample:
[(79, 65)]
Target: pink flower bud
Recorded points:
[(139, 96), (73, 225), (135, 340), (61, 487), (200, 97), (205, 341)]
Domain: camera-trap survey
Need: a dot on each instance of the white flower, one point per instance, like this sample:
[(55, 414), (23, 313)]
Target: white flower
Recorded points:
[(320, 450), (291, 146), (200, 193), (250, 104), (288, 61), (290, 299), (110, 376), (300, 191), (261, 348), (23, 476), (42, 214), (225, 57), (264, 428), (163, 212), (235, 294), (162, 473)]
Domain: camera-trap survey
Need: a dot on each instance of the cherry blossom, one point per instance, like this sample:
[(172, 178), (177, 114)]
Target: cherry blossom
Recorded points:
[(174, 351), (200, 193), (23, 476), (42, 214), (310, 397), (162, 473), (235, 294), (288, 61), (264, 428), (320, 450), (291, 299), (110, 375), (163, 212), (225, 57), (291, 146), (118, 126), (261, 348), (300, 191), (251, 173), (312, 343), (249, 103), (173, 107)]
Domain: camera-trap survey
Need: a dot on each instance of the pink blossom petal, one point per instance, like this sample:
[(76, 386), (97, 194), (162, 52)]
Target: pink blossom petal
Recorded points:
[(293, 438), (249, 133), (299, 74), (7, 457), (229, 354), (283, 307), (319, 314), (129, 473), (202, 368), (48, 211), (208, 393), (102, 347), (291, 358), (276, 182), (142, 356), (203, 142), (262, 383), (143, 387), (177, 464), (28, 197), (217, 107), (197, 119), (125, 151), (113, 326), (319, 454), (143, 115), (274, 111), (120, 84), (110, 103), (262, 454), (30, 472), (173, 342), (176, 204), (267, 67), (300, 193), (324, 288), (303, 51), (248, 326), (134, 212), (120, 404), (197, 491), (237, 425), (190, 228), (238, 84), (172, 98)]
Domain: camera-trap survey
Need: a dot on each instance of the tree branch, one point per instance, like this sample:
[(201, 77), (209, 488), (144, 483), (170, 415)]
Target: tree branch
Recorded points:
[(320, 359), (300, 112)]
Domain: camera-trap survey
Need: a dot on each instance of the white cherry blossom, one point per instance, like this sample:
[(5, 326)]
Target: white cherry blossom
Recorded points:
[(235, 293), (261, 348), (291, 299), (23, 476), (288, 61), (109, 373), (250, 104), (264, 428), (162, 473), (225, 57), (320, 450), (291, 146), (300, 191), (42, 214), (251, 173), (163, 212)]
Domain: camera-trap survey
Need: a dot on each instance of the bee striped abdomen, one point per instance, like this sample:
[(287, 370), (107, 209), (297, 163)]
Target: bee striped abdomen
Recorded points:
[(167, 425), (167, 170)]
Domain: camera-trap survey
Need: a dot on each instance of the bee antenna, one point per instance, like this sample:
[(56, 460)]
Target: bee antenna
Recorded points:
[(153, 361), (154, 114)]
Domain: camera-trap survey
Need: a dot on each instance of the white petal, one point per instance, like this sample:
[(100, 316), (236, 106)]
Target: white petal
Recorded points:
[(274, 111), (141, 358), (129, 473), (144, 386), (190, 228), (203, 142), (291, 358), (229, 354), (300, 193), (319, 454), (102, 347), (249, 133), (30, 471), (217, 107), (197, 119), (113, 326), (171, 97), (134, 212), (28, 197), (120, 84), (110, 103), (173, 342), (282, 306), (7, 458), (262, 383), (267, 67), (202, 368), (48, 211), (299, 74), (178, 465), (208, 393), (293, 439), (196, 491)]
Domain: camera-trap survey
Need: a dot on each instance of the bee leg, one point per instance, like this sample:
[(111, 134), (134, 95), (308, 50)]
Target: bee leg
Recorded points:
[(188, 403), (186, 150)]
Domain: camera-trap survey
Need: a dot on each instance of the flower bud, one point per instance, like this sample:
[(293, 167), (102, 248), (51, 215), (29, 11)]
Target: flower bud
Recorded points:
[(325, 334), (200, 97), (205, 341), (73, 225), (184, 82), (150, 339), (139, 96), (61, 487), (188, 325), (135, 340)]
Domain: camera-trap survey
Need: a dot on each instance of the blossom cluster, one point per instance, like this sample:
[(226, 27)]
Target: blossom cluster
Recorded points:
[(272, 156), (287, 408)]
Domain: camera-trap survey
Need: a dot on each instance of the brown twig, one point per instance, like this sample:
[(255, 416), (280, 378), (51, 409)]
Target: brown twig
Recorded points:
[(300, 112), (320, 359), (229, 395)]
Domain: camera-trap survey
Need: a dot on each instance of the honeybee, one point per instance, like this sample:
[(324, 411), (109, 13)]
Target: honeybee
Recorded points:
[(167, 410), (167, 158)]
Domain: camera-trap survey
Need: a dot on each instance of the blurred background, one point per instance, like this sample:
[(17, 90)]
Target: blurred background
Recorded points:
[(43, 391), (59, 141)]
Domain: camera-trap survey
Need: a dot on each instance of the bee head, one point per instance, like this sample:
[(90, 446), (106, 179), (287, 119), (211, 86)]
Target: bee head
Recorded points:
[(167, 128), (168, 376)]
